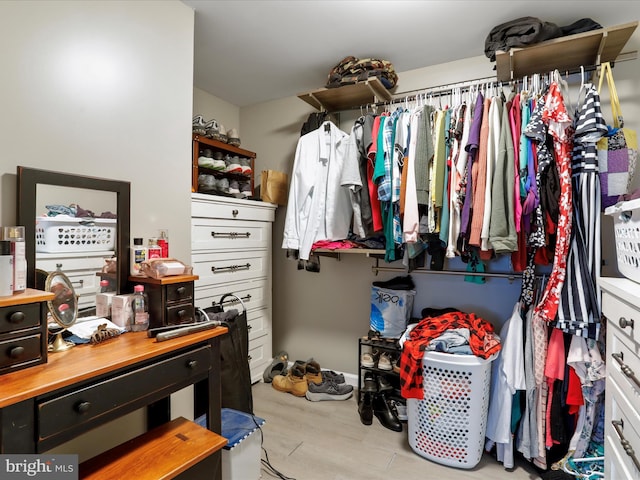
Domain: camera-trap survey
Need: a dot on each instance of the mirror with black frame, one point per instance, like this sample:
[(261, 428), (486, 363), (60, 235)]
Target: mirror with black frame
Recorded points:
[(73, 245)]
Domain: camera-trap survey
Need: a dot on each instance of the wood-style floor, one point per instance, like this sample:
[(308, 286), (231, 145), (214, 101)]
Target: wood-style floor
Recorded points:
[(326, 441)]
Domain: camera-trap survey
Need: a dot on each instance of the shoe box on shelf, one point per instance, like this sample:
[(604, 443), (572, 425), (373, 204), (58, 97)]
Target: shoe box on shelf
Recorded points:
[(379, 382), (221, 168)]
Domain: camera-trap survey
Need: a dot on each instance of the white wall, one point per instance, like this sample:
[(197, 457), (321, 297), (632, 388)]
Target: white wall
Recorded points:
[(102, 88)]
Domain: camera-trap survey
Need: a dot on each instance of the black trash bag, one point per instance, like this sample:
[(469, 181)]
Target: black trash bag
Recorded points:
[(235, 376)]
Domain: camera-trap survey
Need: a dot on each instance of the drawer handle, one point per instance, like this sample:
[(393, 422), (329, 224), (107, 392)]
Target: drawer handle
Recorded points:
[(624, 323), (17, 317), (618, 425), (230, 234), (16, 352), (249, 327), (619, 357), (182, 313), (192, 364), (234, 301), (233, 268), (80, 283), (181, 291), (83, 407), (249, 357), (234, 212)]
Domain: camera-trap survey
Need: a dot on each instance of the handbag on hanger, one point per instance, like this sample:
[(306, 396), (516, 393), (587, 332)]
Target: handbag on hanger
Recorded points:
[(617, 150)]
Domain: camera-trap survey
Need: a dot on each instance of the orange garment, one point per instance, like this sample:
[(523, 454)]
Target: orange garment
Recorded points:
[(480, 178)]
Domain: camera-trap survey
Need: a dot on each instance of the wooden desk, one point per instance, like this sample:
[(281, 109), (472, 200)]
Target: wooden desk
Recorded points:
[(90, 385)]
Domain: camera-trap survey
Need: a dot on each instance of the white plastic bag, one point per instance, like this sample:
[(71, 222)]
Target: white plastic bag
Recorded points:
[(390, 311)]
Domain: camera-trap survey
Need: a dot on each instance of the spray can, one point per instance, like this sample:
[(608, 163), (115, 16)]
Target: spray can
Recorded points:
[(15, 235), (163, 242), (6, 269)]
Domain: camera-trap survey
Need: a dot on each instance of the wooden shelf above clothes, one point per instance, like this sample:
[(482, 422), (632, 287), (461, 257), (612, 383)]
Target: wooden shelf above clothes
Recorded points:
[(564, 53), (347, 97)]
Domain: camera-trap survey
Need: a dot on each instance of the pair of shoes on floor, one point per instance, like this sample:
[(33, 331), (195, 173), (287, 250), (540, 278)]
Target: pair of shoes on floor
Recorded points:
[(296, 380), (278, 366), (328, 389)]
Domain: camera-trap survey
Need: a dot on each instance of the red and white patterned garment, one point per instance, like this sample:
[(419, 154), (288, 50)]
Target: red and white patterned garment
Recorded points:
[(559, 123)]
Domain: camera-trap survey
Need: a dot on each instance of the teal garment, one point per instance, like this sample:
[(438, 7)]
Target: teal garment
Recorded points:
[(525, 150), (444, 220), (378, 167)]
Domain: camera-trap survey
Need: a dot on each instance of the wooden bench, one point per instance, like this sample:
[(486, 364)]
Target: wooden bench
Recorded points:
[(178, 449)]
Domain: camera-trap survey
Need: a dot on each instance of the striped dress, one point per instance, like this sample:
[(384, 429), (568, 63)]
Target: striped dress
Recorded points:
[(579, 309)]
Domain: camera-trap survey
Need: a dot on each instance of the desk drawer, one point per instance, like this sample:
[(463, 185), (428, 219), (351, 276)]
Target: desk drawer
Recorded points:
[(179, 292), (207, 206), (19, 317), (178, 314), (213, 234), (85, 405), (19, 351)]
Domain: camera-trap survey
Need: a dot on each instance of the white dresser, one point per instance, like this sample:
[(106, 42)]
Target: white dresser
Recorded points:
[(231, 253), (621, 306)]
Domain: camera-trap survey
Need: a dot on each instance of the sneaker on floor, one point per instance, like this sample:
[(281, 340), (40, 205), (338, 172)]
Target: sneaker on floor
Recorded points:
[(233, 138), (198, 125), (328, 390), (331, 375), (294, 382)]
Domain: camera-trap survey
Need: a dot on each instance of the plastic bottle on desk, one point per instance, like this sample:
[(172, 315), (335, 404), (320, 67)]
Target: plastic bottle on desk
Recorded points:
[(140, 307), (18, 249), (154, 250), (138, 255)]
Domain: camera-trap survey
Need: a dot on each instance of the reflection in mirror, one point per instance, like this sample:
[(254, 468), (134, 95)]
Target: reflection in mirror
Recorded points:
[(76, 233), (81, 244), (63, 308)]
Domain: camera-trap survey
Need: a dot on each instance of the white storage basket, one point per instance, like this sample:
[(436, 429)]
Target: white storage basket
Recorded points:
[(63, 233), (626, 226), (448, 425)]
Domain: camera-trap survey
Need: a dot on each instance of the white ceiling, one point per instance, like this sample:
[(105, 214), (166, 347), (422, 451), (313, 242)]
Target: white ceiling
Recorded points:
[(248, 52)]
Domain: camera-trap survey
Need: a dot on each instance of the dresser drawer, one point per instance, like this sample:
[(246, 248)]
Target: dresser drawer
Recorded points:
[(258, 323), (19, 317), (623, 364), (624, 426), (183, 313), (614, 467), (215, 268), (620, 315), (213, 234), (21, 352), (87, 405), (205, 206), (253, 295), (71, 262), (259, 357)]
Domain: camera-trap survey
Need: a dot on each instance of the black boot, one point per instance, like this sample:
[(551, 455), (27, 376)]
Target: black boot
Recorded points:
[(365, 409), (384, 413)]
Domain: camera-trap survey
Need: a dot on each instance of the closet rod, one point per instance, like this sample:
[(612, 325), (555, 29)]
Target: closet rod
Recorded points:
[(509, 276), (448, 88)]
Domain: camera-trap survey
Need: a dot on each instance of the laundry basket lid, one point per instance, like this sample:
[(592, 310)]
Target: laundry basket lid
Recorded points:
[(237, 425)]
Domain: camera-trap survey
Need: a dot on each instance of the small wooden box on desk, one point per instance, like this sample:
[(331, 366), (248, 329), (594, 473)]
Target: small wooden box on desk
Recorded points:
[(23, 330), (170, 299)]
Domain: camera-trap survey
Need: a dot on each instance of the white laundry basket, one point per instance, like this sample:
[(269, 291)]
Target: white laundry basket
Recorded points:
[(626, 227), (448, 425)]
